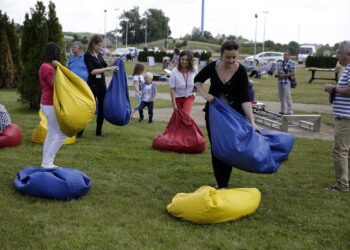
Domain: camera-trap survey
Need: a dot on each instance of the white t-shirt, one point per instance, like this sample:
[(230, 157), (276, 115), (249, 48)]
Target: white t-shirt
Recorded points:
[(147, 92), (183, 83), (139, 80)]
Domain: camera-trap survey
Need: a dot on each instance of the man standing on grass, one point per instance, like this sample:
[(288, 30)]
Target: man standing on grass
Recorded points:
[(341, 111), (77, 65), (286, 70)]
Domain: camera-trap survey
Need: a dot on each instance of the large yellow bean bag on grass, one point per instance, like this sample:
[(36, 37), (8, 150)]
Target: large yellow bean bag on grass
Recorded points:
[(40, 132), (73, 101), (208, 205)]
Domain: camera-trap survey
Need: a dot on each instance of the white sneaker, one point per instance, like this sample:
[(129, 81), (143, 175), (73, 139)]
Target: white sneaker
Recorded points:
[(49, 166)]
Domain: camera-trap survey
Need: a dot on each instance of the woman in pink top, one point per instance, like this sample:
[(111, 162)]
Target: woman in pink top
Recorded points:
[(55, 137)]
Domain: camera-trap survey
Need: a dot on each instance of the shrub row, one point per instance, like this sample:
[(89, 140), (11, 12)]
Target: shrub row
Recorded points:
[(158, 55), (321, 61)]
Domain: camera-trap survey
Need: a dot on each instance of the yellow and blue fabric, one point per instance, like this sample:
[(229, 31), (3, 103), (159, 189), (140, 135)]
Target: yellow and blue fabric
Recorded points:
[(74, 102), (116, 106), (207, 205), (234, 141), (40, 132)]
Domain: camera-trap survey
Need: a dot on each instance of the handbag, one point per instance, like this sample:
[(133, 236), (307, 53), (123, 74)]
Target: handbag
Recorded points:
[(293, 82)]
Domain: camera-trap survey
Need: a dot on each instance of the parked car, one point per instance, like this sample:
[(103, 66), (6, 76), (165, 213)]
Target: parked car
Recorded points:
[(121, 52), (267, 56)]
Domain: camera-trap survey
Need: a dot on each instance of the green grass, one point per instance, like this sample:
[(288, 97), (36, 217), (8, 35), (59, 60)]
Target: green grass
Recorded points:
[(132, 184)]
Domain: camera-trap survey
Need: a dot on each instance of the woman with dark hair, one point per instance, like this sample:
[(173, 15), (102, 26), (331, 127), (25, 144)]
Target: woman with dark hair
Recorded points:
[(55, 137), (181, 83), (229, 82), (96, 66)]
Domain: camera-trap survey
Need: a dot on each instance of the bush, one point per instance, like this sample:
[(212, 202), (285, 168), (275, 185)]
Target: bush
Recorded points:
[(321, 61), (158, 55)]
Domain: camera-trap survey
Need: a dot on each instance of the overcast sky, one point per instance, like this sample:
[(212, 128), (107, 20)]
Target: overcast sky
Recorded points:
[(303, 21)]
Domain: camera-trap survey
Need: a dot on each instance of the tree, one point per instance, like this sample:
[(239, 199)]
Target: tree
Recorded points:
[(133, 20), (55, 30), (10, 67), (157, 25), (35, 36), (293, 47)]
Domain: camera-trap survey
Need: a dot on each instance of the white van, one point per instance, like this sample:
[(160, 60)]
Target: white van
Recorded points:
[(305, 51)]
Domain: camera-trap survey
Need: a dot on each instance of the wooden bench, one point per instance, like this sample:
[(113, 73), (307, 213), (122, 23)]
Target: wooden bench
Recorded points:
[(314, 70)]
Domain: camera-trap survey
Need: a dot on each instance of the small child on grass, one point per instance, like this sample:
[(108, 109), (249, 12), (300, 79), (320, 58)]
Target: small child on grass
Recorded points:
[(149, 92)]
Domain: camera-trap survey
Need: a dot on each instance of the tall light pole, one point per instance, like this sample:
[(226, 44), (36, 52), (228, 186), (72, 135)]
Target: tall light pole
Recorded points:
[(146, 34), (202, 20), (116, 28), (105, 28), (265, 12), (126, 35), (256, 27), (167, 35)]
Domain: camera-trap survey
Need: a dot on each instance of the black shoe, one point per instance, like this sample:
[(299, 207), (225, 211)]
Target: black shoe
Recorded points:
[(150, 121), (281, 113), (141, 119)]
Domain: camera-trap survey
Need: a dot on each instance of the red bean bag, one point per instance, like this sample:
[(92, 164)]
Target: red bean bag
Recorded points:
[(11, 136), (182, 135)]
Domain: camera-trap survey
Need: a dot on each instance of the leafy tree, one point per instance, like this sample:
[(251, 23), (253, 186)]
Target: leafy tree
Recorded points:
[(293, 47), (157, 25), (133, 20), (55, 30), (36, 31), (9, 50)]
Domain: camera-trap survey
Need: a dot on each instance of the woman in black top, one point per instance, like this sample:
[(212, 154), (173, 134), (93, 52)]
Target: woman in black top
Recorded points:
[(96, 66), (229, 82)]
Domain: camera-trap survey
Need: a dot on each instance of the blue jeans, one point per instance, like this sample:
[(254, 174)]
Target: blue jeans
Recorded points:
[(138, 100), (149, 105)]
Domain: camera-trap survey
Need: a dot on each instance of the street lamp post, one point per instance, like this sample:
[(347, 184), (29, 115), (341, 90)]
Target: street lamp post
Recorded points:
[(105, 28), (126, 35), (265, 12), (116, 29), (256, 27), (146, 34)]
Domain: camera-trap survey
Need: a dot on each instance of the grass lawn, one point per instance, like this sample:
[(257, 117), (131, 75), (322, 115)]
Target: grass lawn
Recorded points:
[(132, 184)]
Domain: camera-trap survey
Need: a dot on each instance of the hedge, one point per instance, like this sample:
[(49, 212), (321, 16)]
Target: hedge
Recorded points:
[(158, 55), (321, 61)]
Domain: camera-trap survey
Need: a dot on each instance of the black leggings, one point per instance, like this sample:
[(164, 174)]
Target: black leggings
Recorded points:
[(100, 96), (222, 171)]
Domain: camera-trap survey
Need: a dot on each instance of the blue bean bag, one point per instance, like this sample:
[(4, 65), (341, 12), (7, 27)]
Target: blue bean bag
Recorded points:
[(54, 183), (116, 104), (235, 142)]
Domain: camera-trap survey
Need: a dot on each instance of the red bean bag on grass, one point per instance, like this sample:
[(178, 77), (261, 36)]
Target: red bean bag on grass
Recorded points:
[(11, 136), (182, 135)]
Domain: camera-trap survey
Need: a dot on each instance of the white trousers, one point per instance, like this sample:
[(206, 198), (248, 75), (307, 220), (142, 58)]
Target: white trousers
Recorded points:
[(54, 138), (285, 94)]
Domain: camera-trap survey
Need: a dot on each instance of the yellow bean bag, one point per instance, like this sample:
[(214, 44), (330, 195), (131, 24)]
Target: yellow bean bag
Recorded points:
[(39, 133), (208, 205), (73, 101)]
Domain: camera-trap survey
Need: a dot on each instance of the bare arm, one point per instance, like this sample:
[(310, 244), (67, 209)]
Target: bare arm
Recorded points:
[(173, 97), (136, 86), (247, 108), (100, 71), (203, 92), (341, 91)]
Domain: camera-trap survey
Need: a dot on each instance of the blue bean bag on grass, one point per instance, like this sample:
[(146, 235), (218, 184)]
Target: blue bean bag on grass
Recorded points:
[(116, 105), (235, 142), (54, 183)]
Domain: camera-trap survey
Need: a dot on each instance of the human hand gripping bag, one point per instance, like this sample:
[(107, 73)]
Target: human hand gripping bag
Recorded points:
[(182, 135), (73, 101), (235, 142), (207, 205), (40, 132), (116, 106)]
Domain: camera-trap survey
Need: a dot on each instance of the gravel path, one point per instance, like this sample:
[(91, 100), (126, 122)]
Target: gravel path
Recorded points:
[(326, 133)]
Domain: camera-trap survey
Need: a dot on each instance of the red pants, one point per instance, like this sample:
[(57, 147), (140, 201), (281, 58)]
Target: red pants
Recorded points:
[(185, 103)]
